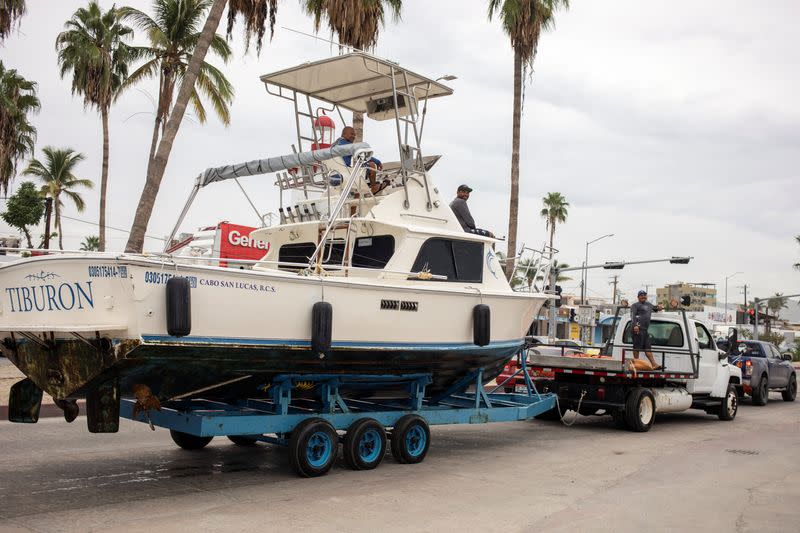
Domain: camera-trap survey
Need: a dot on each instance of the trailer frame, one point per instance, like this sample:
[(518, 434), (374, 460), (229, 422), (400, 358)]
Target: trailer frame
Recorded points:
[(293, 401)]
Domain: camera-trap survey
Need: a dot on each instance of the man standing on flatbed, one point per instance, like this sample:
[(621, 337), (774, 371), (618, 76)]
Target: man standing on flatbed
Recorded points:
[(640, 318)]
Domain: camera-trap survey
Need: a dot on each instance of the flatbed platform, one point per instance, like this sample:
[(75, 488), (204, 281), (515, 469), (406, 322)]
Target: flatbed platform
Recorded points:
[(595, 366)]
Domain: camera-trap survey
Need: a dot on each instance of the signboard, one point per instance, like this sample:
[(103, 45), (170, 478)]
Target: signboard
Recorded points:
[(574, 332), (586, 315), (233, 242)]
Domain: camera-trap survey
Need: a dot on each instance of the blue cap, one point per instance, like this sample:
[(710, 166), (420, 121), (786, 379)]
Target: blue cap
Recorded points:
[(642, 293)]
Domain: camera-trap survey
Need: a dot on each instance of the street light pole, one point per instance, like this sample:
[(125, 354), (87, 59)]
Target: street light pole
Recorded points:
[(726, 294), (585, 278)]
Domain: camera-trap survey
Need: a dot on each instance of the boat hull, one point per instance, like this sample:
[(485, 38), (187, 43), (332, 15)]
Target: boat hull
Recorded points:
[(74, 323)]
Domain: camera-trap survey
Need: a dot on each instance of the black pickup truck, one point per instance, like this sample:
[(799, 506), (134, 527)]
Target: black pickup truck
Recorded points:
[(764, 369)]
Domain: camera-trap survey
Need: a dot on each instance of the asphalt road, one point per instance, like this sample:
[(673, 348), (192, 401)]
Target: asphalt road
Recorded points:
[(690, 472)]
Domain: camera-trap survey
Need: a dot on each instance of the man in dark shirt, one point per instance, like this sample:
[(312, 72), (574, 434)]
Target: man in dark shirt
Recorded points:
[(461, 210), (640, 318)]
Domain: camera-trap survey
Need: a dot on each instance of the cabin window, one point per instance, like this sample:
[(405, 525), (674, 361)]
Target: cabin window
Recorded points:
[(301, 252), (661, 334), (373, 252), (458, 260)]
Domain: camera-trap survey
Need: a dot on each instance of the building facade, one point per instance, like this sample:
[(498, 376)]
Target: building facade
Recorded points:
[(702, 294)]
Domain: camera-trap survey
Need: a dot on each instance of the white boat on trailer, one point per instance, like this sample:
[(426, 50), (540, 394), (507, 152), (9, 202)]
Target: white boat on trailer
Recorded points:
[(352, 282)]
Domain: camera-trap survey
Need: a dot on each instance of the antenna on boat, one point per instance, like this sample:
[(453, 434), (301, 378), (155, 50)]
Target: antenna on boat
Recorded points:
[(318, 38)]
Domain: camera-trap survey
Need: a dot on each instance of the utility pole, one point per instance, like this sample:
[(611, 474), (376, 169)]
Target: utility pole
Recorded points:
[(614, 294), (745, 295)]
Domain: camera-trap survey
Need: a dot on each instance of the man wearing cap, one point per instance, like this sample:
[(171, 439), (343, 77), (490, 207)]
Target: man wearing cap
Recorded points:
[(640, 318), (461, 210)]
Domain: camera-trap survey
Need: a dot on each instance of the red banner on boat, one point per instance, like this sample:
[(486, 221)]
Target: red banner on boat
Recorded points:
[(235, 243)]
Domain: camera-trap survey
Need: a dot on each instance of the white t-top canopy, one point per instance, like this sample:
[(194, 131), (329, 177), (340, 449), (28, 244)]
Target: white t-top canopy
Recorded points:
[(351, 80)]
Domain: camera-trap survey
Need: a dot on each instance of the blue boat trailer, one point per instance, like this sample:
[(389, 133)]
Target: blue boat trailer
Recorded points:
[(306, 413)]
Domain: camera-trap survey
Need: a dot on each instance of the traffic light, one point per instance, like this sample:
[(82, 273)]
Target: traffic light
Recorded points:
[(558, 293), (679, 260), (613, 265), (751, 313), (572, 315)]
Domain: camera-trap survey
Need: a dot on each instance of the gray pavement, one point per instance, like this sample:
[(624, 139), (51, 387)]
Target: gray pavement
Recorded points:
[(690, 472)]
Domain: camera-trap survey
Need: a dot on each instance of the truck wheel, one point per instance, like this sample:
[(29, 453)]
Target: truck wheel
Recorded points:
[(761, 392), (618, 416), (640, 410), (791, 390), (729, 404), (189, 442)]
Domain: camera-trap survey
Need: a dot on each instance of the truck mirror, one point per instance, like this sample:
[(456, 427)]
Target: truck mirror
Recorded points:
[(787, 357), (686, 300)]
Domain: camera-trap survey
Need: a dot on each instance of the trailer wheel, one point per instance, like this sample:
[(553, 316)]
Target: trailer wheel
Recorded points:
[(729, 404), (243, 440), (640, 410), (313, 447), (761, 392), (364, 444), (411, 438), (189, 442)]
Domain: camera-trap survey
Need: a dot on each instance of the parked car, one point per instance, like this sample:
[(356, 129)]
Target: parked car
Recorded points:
[(764, 369)]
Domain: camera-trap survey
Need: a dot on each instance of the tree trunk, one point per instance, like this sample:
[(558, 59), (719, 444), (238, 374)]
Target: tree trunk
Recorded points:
[(103, 183), (358, 126), (27, 237), (154, 140), (48, 214), (552, 234), (157, 166), (513, 205), (58, 224)]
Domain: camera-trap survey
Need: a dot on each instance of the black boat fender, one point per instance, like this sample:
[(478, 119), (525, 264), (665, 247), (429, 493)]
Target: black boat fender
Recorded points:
[(481, 322), (321, 326), (179, 307)]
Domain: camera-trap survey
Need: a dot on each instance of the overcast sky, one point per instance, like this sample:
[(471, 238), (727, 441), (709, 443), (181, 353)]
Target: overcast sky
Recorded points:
[(673, 125)]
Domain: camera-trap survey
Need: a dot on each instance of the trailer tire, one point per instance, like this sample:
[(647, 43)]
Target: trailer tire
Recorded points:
[(790, 393), (411, 438), (313, 447), (729, 405), (760, 392), (243, 440), (640, 410), (364, 444), (321, 326), (189, 442)]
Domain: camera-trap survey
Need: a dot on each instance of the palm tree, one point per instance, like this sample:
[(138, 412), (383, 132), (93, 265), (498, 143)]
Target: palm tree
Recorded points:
[(357, 24), (173, 34), (10, 13), (17, 135), (777, 303), (525, 272), (554, 210), (523, 22), (255, 14), (58, 178), (91, 243), (92, 48)]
